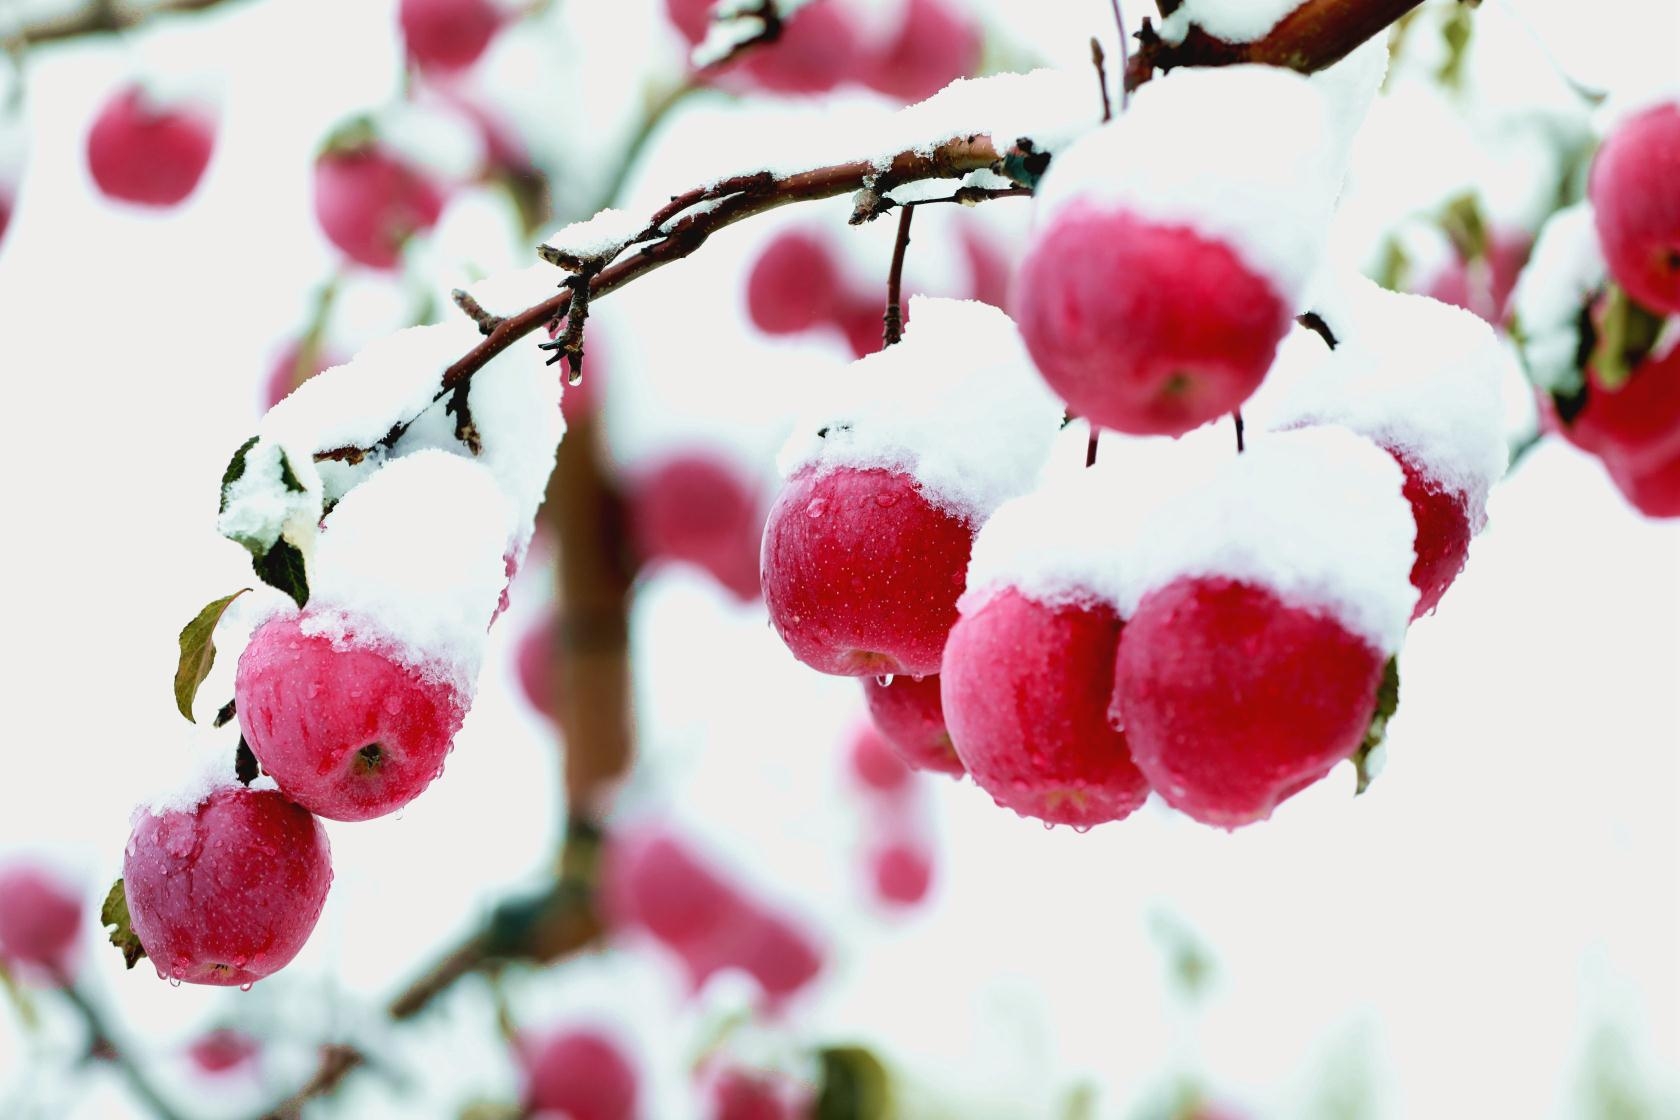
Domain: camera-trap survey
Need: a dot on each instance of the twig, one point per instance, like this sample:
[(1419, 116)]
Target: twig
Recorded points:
[(1317, 34), (104, 16), (1102, 79), (475, 311), (893, 320), (101, 1040)]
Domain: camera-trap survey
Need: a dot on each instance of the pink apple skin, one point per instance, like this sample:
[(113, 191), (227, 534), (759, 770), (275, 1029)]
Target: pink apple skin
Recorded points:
[(902, 872), (818, 51), (223, 1051), (40, 918), (1442, 517), (862, 572), (369, 203), (534, 663), (695, 508), (738, 1094), (859, 319), (1026, 692), (447, 35), (1233, 700), (1636, 424), (937, 44), (1654, 492), (691, 18), (1143, 328), (579, 1073), (794, 285), (350, 734), (228, 893), (908, 714), (776, 952), (145, 155), (1490, 296), (652, 881), (875, 765), (283, 375), (1634, 187)]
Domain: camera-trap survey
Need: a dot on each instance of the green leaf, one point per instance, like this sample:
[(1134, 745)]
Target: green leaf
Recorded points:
[(235, 470), (1461, 221), (115, 914), (288, 477), (198, 652), (854, 1085), (282, 567), (1388, 702)]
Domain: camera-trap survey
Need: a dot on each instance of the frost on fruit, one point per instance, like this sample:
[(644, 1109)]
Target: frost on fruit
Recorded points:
[(956, 406), (1241, 155), (1416, 376), (1314, 515)]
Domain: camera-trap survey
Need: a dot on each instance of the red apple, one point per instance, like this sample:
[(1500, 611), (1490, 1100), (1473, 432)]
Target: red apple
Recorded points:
[(1026, 692), (369, 203), (1233, 700), (1144, 328), (1634, 187), (907, 713), (147, 153), (447, 35), (227, 892), (862, 572)]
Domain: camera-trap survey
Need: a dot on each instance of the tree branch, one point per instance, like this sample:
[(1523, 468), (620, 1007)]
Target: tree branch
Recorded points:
[(102, 1041), (97, 18), (1317, 34), (893, 320)]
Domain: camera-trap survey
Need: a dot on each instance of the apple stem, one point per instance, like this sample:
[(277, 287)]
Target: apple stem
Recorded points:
[(893, 320), (1237, 420)]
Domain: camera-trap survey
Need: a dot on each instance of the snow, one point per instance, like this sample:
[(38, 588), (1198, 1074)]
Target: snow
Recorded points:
[(1633, 99), (1314, 515), (1350, 88), (211, 769), (14, 150), (1563, 275), (390, 381), (1235, 21), (957, 405), (601, 237), (510, 292), (1057, 545), (1419, 377), (413, 557), (433, 136), (515, 405), (260, 507), (1240, 154)]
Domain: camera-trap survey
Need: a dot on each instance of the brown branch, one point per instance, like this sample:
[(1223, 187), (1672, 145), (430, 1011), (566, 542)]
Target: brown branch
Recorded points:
[(1317, 34), (893, 320), (103, 16), (102, 1041)]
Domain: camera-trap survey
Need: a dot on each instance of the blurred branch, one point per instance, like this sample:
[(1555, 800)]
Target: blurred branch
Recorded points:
[(1317, 34), (102, 1043), (97, 18)]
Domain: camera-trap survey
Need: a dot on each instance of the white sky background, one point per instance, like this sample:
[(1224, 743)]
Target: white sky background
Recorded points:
[(1511, 882)]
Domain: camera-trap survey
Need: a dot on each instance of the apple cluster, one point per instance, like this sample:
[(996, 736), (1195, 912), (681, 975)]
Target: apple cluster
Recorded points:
[(1595, 311), (1047, 632)]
